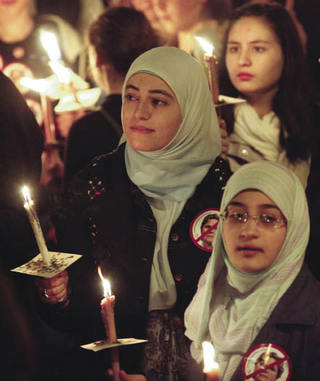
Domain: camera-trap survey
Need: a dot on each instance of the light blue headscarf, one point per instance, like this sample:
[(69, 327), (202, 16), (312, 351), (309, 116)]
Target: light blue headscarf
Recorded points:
[(169, 176), (231, 311), (173, 172)]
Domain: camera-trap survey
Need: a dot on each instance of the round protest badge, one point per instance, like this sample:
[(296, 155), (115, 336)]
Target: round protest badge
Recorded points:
[(266, 362), (203, 228)]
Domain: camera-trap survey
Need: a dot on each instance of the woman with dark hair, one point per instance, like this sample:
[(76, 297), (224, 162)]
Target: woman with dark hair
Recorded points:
[(264, 63), (116, 38)]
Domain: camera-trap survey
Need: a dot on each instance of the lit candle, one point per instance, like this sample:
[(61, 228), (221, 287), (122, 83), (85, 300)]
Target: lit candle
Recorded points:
[(107, 312), (211, 62), (211, 367), (64, 74), (35, 224)]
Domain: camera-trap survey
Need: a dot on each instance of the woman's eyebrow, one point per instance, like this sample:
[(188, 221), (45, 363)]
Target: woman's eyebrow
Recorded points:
[(160, 91), (237, 203), (230, 42), (153, 91), (129, 86)]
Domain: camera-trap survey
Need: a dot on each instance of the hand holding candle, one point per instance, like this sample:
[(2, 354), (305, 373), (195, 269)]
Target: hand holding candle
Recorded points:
[(35, 224), (107, 313), (211, 367)]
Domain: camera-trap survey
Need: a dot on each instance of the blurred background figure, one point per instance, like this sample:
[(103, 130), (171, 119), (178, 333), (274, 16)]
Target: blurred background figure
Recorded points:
[(116, 38), (157, 20), (21, 52), (189, 18), (22, 55)]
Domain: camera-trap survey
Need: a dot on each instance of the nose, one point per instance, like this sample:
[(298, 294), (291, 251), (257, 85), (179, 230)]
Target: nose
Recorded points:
[(249, 229), (143, 110), (244, 57)]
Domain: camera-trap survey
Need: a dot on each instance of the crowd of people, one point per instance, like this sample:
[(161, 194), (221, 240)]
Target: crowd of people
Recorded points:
[(204, 217)]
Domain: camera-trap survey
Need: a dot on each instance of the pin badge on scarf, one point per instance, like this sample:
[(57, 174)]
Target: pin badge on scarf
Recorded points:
[(266, 362), (203, 228)]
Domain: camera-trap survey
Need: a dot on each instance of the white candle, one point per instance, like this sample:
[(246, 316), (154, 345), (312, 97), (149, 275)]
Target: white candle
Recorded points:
[(211, 367), (211, 62), (107, 312), (35, 224)]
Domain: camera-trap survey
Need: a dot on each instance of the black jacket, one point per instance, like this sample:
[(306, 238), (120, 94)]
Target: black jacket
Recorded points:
[(109, 221)]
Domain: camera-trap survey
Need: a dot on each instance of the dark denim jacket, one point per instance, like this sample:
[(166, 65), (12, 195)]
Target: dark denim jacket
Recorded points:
[(109, 221)]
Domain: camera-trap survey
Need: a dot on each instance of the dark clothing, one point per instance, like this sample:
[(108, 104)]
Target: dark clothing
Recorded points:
[(312, 191), (21, 144), (92, 135), (30, 347), (112, 224), (294, 325)]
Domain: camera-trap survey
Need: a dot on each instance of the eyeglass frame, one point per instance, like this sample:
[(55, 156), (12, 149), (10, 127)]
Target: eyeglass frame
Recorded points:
[(279, 222)]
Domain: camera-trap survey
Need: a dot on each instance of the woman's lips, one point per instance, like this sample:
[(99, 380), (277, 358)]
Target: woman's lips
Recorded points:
[(141, 129), (249, 251), (244, 76)]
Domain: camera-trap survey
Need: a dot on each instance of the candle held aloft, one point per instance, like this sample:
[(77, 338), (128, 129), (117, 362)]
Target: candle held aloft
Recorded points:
[(35, 224), (107, 313), (211, 62), (211, 367)]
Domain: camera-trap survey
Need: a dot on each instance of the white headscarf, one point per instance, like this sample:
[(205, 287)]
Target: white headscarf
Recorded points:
[(173, 172), (232, 310), (169, 176)]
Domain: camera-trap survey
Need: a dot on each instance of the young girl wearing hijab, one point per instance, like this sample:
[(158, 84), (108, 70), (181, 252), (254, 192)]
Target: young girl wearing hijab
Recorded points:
[(255, 289), (131, 212), (264, 63)]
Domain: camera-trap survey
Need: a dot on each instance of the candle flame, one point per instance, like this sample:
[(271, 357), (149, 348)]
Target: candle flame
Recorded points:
[(207, 47), (50, 43), (63, 73), (27, 197), (39, 85), (209, 355), (106, 284)]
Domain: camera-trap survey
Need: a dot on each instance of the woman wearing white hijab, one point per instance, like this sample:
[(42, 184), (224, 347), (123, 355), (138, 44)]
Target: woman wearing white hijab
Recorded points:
[(255, 289), (140, 201)]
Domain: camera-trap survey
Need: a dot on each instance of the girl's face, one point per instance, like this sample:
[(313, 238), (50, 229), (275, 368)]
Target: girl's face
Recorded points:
[(253, 246), (151, 115), (254, 58)]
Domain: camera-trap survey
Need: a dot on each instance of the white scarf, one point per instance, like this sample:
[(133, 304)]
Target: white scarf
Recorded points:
[(233, 306), (263, 135), (172, 173)]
